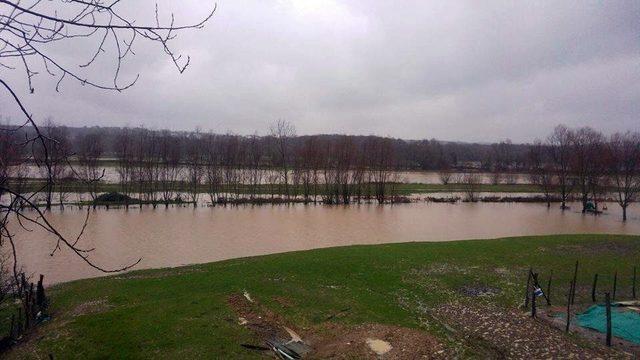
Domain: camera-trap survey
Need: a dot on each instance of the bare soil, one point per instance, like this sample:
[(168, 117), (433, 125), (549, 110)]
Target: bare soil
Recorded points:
[(511, 334)]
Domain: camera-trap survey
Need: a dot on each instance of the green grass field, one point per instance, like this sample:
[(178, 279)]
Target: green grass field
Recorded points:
[(184, 312)]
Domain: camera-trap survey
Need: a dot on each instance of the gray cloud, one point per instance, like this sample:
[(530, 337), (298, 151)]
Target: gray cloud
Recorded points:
[(459, 70)]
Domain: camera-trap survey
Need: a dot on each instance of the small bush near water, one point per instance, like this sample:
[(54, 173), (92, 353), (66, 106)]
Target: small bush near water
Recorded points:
[(113, 197)]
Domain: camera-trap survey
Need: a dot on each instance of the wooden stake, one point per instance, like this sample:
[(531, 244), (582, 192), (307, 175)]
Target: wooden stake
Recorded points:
[(549, 288), (573, 288), (534, 276), (608, 304), (633, 287), (593, 288), (40, 297), (526, 291), (615, 285), (533, 301), (569, 306)]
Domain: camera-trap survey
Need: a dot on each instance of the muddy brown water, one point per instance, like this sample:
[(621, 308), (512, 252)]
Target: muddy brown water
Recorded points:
[(184, 235)]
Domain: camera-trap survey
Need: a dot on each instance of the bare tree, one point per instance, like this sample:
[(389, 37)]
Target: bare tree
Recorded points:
[(445, 176), (471, 183), (586, 152), (282, 132), (90, 150), (230, 154), (624, 165), (256, 172), (59, 149), (170, 156), (383, 167), (560, 151), (213, 172), (194, 166), (541, 172), (28, 29), (123, 148)]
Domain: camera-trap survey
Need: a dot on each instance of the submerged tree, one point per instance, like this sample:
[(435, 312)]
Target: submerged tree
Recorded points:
[(559, 147), (282, 132), (90, 151), (471, 184), (541, 172), (624, 168), (586, 163)]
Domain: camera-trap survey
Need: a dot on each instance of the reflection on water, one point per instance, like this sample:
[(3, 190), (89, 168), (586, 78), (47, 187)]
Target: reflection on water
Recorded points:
[(178, 236)]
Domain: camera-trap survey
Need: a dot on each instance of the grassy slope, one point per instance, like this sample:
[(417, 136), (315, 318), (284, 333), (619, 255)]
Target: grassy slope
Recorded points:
[(182, 312)]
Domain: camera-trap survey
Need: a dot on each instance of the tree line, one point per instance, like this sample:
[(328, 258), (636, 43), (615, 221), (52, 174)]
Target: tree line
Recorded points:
[(162, 166)]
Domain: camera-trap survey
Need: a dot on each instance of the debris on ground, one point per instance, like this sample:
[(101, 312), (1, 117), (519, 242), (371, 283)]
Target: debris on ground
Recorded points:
[(332, 340), (380, 347), (269, 328), (247, 296), (294, 337)]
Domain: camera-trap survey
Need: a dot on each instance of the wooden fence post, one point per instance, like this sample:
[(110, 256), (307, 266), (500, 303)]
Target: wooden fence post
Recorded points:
[(608, 305), (40, 297), (593, 288), (569, 306), (573, 287), (615, 285), (526, 291), (549, 288), (633, 286), (533, 302)]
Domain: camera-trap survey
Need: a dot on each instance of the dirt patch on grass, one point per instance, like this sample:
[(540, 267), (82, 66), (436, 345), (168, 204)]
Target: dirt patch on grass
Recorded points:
[(337, 341), (478, 290), (501, 333), (331, 340)]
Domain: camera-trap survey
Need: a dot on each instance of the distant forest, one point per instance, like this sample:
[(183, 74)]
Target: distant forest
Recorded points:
[(427, 154)]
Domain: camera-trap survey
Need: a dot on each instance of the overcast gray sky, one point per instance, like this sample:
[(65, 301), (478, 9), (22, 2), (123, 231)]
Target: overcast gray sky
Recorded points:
[(452, 70)]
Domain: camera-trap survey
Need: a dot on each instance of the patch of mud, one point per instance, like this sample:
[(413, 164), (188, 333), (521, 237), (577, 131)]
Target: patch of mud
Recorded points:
[(478, 290), (330, 340), (91, 307), (372, 341), (502, 333)]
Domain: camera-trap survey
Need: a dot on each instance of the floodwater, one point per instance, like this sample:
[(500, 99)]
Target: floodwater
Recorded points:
[(184, 235), (414, 177)]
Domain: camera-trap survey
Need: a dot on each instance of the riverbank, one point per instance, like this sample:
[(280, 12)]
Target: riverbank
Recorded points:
[(333, 296)]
